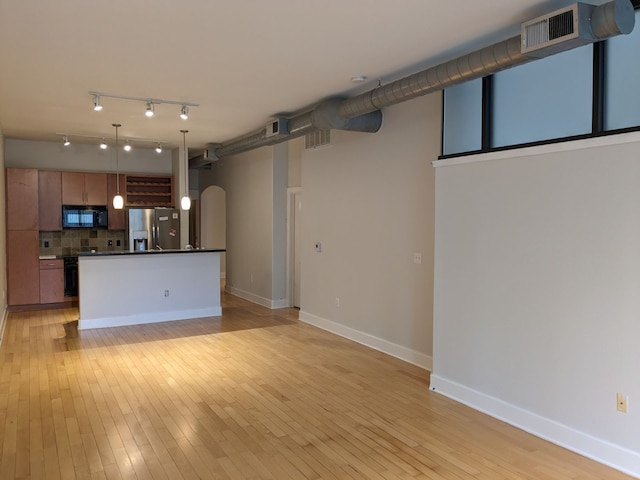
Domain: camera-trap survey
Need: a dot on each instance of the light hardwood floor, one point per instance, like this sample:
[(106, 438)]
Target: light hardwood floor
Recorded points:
[(254, 394)]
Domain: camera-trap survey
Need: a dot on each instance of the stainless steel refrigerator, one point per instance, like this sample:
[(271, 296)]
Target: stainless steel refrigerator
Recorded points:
[(153, 229)]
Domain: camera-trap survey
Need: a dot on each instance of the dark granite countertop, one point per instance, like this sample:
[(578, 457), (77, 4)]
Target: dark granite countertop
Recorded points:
[(148, 252)]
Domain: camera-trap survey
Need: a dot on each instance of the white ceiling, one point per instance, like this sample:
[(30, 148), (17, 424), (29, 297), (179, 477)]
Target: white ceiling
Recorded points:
[(242, 61)]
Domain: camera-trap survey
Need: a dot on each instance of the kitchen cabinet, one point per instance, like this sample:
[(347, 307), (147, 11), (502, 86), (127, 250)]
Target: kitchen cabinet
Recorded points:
[(116, 217), (79, 188), (23, 268), (149, 191), (50, 201), (51, 281), (22, 199)]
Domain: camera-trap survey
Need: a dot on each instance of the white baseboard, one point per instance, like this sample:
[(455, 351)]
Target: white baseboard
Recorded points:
[(145, 318), (253, 298), (393, 349), (3, 322), (614, 456)]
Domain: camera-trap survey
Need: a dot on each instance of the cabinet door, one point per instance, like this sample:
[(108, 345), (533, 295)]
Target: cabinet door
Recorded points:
[(116, 217), (23, 268), (22, 199), (52, 285), (73, 188), (50, 201), (95, 186)]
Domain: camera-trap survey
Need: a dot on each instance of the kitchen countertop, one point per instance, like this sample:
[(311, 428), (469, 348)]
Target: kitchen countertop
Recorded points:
[(148, 252)]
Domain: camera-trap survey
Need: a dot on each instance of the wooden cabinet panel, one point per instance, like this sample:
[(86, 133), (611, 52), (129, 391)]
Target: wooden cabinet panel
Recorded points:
[(95, 186), (22, 199), (73, 188), (50, 200), (116, 217), (80, 188), (51, 281), (23, 268)]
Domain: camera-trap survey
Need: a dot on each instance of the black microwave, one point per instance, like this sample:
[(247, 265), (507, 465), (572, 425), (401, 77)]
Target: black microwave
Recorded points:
[(80, 216)]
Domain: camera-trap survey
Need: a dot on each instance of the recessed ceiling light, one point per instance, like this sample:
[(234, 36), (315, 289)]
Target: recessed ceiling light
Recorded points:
[(358, 78)]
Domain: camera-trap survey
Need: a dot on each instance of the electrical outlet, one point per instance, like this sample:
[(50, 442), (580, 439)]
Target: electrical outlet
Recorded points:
[(417, 258), (337, 301), (166, 293), (622, 402)]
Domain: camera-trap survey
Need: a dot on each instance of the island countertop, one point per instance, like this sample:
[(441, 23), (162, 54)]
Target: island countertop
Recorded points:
[(147, 252)]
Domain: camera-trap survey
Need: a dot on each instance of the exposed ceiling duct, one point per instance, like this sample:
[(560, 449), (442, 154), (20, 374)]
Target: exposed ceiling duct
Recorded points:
[(362, 112)]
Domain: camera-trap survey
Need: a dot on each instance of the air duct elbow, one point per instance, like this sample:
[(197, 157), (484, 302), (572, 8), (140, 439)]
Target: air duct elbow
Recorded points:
[(326, 117)]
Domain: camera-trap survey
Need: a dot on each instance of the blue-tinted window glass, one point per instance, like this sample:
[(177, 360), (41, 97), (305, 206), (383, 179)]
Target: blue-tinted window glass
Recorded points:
[(463, 118), (622, 79), (544, 99)]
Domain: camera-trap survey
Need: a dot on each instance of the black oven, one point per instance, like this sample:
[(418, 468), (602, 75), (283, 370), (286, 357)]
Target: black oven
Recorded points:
[(71, 276)]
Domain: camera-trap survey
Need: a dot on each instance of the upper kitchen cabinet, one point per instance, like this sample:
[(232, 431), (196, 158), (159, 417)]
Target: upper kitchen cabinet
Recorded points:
[(22, 199), (50, 200), (84, 188), (116, 217)]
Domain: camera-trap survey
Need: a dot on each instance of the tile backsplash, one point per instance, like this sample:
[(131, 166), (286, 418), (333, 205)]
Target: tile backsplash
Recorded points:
[(69, 242)]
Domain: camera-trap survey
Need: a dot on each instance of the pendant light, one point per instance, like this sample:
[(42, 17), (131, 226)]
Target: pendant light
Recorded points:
[(185, 202), (118, 201)]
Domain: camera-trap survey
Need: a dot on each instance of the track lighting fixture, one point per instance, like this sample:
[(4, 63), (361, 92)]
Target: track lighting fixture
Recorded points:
[(149, 101), (184, 112), (66, 142), (118, 201), (127, 147), (96, 103), (149, 111), (104, 141), (185, 202), (159, 148), (103, 144)]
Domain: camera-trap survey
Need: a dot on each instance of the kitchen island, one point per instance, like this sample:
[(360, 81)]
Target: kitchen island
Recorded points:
[(131, 288)]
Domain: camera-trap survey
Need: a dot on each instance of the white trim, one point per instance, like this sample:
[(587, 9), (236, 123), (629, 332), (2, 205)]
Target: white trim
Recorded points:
[(630, 137), (291, 192), (3, 323), (257, 299), (385, 346), (144, 318), (609, 454)]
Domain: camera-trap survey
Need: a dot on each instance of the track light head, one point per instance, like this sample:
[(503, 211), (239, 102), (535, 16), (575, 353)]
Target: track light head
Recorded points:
[(127, 147), (103, 144), (159, 148), (149, 111), (184, 112), (96, 103), (66, 141)]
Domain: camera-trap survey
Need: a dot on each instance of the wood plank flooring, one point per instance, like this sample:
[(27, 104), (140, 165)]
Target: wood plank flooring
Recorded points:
[(254, 394)]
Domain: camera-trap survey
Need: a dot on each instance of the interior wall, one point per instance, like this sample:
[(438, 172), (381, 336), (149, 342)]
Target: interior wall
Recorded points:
[(537, 274), (3, 237), (247, 180), (213, 211), (295, 151), (369, 203), (84, 158)]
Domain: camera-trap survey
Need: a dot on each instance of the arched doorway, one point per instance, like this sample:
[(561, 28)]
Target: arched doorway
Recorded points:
[(213, 222)]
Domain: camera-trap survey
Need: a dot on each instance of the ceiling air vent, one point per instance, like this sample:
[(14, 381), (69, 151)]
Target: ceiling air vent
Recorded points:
[(565, 28), (316, 139)]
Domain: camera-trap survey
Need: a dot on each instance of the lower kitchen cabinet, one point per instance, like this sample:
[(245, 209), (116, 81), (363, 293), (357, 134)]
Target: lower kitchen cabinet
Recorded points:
[(51, 281), (23, 268)]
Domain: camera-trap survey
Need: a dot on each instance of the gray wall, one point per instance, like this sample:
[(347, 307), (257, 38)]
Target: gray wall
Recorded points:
[(537, 274), (369, 200), (84, 158)]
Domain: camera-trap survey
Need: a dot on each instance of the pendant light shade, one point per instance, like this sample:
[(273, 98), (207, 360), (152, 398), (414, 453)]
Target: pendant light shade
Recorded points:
[(118, 201), (185, 202)]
